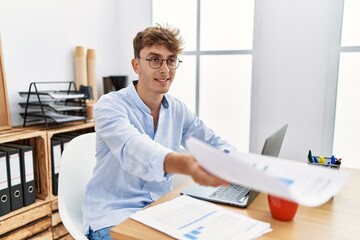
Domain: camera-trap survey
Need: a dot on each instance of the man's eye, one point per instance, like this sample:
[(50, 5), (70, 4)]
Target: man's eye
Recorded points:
[(154, 60), (172, 60)]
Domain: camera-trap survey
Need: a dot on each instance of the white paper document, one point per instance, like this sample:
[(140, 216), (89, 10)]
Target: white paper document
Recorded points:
[(302, 183), (189, 219), (66, 96)]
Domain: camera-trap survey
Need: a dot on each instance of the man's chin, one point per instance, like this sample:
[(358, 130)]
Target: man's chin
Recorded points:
[(164, 90)]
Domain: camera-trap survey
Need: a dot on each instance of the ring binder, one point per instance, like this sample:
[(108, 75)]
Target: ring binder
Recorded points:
[(55, 164), (27, 171), (14, 172), (5, 206)]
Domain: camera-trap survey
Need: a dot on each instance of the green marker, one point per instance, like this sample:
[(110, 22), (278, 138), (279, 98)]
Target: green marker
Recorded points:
[(310, 157)]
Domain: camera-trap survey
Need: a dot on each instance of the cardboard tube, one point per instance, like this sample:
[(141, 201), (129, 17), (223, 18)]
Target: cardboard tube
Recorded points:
[(80, 67), (91, 72)]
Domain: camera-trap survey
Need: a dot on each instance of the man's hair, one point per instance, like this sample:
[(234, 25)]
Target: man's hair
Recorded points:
[(166, 36)]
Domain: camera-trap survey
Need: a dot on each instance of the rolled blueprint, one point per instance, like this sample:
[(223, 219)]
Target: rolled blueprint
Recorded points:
[(80, 67), (91, 72)]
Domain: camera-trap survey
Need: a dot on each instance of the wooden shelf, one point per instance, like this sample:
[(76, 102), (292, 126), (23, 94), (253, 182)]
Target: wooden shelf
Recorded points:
[(25, 216), (80, 128), (38, 140), (41, 219)]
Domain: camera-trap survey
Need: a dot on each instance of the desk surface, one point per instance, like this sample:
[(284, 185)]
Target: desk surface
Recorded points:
[(336, 219)]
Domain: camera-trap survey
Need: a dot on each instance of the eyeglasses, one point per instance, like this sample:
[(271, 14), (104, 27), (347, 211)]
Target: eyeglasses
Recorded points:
[(155, 62)]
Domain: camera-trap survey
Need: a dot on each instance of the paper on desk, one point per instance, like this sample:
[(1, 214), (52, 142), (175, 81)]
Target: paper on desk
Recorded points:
[(189, 218), (307, 185)]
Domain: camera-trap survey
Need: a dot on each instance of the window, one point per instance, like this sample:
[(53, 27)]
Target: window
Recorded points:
[(347, 118), (214, 79)]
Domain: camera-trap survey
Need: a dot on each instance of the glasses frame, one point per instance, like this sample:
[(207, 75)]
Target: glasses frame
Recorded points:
[(162, 60)]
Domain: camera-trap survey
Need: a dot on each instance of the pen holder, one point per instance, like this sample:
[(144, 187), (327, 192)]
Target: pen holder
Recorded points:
[(334, 166), (90, 112), (328, 162)]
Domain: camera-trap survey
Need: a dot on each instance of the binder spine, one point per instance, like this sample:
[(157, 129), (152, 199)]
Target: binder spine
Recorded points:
[(55, 164), (17, 200), (28, 177), (5, 205)]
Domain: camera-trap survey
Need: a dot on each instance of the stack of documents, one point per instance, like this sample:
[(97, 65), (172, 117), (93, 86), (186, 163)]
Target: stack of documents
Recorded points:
[(307, 185), (189, 218)]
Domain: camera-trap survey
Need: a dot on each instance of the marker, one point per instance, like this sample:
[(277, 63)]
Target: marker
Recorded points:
[(321, 160), (310, 157), (337, 161), (332, 160), (315, 159)]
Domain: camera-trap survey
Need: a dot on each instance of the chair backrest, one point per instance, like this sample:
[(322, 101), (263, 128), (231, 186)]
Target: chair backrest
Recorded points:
[(76, 166)]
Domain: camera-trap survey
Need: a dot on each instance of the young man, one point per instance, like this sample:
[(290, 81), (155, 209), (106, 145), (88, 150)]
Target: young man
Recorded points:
[(139, 131)]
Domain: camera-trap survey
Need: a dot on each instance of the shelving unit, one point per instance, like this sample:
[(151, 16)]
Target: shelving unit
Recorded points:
[(41, 219), (58, 106)]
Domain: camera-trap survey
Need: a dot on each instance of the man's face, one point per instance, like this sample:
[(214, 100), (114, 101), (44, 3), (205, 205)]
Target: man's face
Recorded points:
[(154, 81)]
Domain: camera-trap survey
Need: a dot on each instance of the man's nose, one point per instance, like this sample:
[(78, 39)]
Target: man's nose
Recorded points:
[(164, 67)]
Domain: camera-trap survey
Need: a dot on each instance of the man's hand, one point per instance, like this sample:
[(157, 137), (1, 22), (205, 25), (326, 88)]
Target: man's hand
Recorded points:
[(187, 164)]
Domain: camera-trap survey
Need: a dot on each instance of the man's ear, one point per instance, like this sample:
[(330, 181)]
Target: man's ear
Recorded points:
[(135, 64)]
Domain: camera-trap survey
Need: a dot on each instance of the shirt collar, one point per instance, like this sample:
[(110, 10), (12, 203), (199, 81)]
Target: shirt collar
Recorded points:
[(135, 96)]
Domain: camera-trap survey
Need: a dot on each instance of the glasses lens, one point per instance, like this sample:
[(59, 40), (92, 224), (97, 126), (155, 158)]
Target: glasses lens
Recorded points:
[(155, 62), (172, 63)]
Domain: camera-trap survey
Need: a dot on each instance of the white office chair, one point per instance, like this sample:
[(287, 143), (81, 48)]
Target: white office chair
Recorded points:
[(77, 162)]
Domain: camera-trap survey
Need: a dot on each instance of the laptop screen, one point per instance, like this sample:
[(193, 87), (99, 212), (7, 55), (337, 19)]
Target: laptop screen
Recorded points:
[(272, 145)]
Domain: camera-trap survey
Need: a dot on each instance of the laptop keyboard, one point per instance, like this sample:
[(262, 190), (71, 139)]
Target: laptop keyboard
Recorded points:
[(233, 192)]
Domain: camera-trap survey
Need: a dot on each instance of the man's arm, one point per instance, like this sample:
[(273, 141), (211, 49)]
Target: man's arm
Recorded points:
[(187, 164)]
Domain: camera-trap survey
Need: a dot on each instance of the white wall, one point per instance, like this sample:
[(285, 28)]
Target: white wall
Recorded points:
[(294, 74), (39, 38)]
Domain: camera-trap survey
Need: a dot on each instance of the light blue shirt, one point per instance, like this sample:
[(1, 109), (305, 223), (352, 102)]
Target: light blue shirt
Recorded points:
[(129, 172)]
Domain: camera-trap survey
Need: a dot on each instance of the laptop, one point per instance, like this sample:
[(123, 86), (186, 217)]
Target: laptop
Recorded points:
[(234, 194)]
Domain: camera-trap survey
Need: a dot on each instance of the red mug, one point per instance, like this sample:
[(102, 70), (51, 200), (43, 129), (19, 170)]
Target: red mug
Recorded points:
[(282, 209)]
